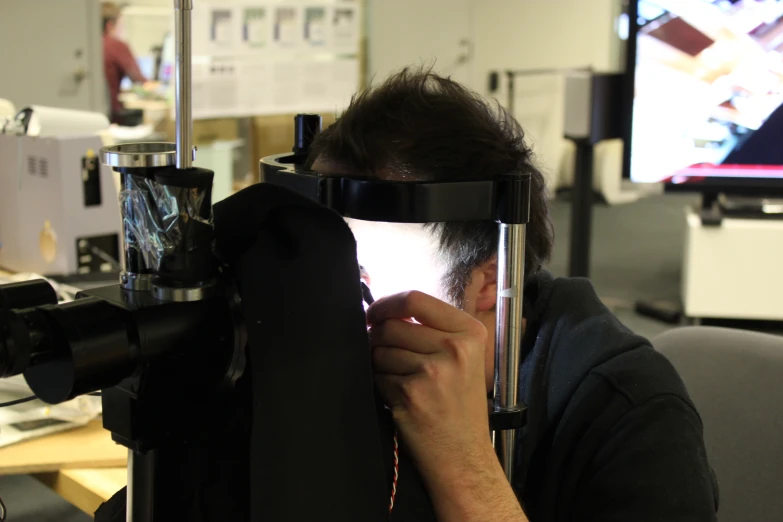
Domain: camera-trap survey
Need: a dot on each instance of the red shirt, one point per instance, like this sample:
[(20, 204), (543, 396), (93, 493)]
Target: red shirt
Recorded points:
[(118, 62)]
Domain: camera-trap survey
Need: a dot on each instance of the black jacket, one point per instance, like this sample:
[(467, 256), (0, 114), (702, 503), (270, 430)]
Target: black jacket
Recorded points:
[(612, 434)]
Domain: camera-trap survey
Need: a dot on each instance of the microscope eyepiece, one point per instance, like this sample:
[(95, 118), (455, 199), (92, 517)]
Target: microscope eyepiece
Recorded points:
[(62, 350), (22, 328)]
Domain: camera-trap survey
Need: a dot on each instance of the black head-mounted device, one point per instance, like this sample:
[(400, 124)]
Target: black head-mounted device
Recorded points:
[(504, 199)]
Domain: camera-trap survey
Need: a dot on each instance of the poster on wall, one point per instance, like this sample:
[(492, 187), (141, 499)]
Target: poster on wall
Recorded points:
[(287, 86), (286, 28), (345, 28), (255, 27), (221, 28), (328, 85), (315, 26), (215, 85), (260, 57)]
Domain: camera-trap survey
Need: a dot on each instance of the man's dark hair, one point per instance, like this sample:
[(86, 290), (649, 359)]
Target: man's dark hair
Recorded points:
[(420, 126)]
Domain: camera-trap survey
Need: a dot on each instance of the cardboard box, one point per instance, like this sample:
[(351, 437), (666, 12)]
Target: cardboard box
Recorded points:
[(205, 132)]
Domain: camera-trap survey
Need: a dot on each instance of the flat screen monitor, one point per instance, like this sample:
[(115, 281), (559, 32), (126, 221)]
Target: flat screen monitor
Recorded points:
[(146, 68), (706, 94)]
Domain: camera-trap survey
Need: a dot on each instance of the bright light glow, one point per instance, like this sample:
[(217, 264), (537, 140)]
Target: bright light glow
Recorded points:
[(398, 257)]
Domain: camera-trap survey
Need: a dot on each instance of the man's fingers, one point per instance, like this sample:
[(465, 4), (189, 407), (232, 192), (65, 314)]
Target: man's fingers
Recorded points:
[(402, 334), (390, 388), (396, 361), (399, 392), (424, 308)]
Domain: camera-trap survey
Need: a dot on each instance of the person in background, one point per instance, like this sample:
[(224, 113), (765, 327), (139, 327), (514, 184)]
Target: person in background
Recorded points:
[(118, 60)]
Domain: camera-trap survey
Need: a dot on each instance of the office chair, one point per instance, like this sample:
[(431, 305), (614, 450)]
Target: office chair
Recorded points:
[(735, 379)]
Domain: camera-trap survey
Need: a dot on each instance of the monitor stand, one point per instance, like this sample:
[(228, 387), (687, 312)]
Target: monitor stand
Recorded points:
[(716, 206)]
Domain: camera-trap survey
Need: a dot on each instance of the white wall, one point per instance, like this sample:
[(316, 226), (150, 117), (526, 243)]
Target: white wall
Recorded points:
[(504, 34), (432, 32), (540, 34), (535, 34)]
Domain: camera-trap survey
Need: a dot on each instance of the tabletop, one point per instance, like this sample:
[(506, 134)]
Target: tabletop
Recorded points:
[(85, 447)]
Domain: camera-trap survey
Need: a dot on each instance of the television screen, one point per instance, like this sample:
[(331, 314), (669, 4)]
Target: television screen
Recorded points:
[(707, 91)]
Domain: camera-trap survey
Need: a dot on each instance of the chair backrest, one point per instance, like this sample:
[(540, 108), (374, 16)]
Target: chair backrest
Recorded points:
[(735, 379)]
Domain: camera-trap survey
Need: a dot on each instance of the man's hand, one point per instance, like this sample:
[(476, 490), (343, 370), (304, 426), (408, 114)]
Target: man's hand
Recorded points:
[(431, 375)]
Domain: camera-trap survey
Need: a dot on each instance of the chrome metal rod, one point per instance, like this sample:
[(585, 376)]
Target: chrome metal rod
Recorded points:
[(508, 334), (182, 82), (140, 500), (129, 516)]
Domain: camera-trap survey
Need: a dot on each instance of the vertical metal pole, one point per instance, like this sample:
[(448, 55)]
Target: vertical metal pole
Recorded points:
[(182, 82), (510, 94), (140, 494), (508, 334), (129, 514), (581, 210)]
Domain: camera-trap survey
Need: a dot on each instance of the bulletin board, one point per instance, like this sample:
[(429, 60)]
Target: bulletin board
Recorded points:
[(263, 57)]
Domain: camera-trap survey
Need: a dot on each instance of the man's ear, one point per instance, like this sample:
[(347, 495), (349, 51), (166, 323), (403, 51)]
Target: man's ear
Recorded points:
[(487, 293)]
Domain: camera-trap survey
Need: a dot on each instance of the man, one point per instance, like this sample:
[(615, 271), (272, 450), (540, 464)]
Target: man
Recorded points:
[(118, 60), (611, 433)]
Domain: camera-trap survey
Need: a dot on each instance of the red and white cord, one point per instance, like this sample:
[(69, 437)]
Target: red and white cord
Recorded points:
[(396, 470)]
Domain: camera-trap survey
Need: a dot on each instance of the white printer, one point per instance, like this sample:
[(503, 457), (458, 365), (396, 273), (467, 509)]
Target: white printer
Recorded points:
[(59, 210)]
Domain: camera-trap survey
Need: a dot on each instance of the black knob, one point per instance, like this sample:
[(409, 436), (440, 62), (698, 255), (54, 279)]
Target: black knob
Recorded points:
[(306, 126)]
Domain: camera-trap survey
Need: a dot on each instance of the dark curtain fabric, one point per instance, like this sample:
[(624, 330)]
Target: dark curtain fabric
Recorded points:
[(321, 444)]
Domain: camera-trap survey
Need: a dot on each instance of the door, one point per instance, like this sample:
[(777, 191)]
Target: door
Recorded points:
[(52, 54)]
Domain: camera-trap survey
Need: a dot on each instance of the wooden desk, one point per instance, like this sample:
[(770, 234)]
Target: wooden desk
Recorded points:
[(87, 447), (83, 465), (85, 488)]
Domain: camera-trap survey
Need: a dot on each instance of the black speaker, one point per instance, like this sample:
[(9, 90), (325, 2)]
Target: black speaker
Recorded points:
[(593, 106)]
